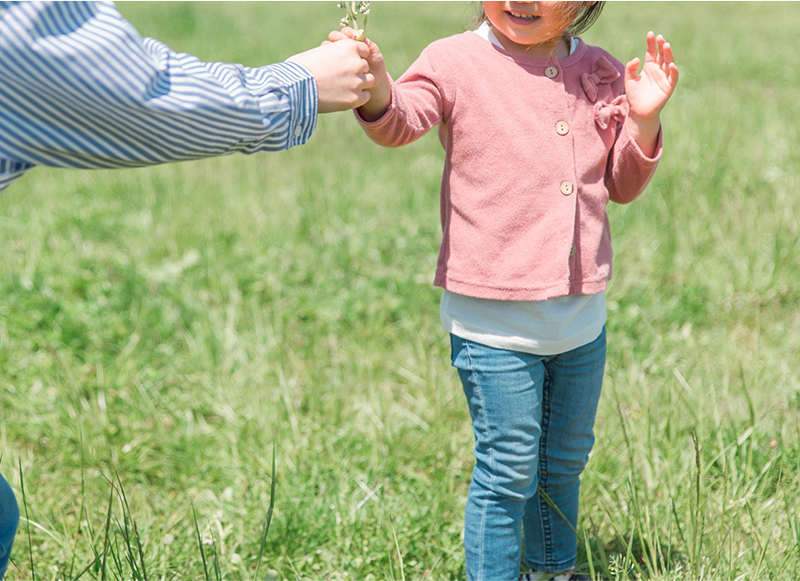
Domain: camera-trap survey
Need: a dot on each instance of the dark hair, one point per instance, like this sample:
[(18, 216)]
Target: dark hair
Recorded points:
[(583, 22), (587, 17)]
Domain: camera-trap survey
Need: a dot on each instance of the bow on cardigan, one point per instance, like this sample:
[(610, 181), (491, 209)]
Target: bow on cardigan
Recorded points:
[(604, 73), (616, 110)]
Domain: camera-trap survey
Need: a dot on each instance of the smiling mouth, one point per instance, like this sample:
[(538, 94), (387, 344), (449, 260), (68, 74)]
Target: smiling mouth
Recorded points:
[(522, 18)]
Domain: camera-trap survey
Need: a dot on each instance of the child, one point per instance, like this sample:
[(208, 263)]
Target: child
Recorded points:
[(541, 131)]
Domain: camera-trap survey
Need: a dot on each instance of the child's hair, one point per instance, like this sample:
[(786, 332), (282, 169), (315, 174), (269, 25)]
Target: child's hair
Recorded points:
[(583, 22)]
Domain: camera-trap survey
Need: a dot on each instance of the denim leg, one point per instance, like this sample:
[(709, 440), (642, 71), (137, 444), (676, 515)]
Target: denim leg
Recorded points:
[(571, 394), (504, 393), (9, 518)]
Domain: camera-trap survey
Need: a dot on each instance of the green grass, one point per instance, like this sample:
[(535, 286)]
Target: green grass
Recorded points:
[(164, 331)]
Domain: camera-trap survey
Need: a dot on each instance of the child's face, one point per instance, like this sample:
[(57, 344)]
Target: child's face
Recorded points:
[(531, 28)]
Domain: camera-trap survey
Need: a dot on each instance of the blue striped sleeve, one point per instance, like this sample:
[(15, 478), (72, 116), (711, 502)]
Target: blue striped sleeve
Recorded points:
[(82, 89), (10, 171)]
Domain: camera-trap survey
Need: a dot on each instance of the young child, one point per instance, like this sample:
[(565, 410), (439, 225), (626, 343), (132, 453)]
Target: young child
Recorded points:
[(541, 131)]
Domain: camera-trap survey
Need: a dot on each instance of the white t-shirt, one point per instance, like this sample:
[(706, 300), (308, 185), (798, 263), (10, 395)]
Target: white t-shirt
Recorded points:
[(541, 327)]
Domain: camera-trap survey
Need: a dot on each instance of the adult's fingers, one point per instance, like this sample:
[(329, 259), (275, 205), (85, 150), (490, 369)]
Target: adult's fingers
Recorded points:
[(363, 98), (369, 80), (363, 49), (336, 35)]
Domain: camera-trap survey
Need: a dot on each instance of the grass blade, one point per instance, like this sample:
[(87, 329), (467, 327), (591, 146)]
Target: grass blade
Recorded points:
[(128, 518), (89, 566), (399, 554), (268, 520), (27, 519), (108, 528), (589, 557), (200, 544), (552, 505)]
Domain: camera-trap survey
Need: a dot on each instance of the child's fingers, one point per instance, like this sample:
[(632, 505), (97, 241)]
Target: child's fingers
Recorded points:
[(673, 74), (669, 67), (652, 47), (666, 50), (661, 42), (631, 69)]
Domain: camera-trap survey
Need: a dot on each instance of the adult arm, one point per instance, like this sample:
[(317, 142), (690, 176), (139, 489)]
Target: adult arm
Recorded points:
[(82, 89)]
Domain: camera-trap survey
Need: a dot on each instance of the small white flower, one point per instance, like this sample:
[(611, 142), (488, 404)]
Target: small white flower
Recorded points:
[(352, 11)]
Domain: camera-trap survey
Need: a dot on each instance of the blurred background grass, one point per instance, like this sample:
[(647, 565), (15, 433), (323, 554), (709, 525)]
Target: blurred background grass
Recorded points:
[(170, 325)]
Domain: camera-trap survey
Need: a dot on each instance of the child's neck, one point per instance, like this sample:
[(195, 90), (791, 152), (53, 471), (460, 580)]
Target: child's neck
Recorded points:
[(559, 48)]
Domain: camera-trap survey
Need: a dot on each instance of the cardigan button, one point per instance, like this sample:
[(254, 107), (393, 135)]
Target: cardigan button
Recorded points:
[(567, 188), (572, 251), (562, 127), (551, 72)]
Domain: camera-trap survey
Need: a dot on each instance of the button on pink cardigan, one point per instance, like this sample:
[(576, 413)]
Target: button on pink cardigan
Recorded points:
[(522, 206)]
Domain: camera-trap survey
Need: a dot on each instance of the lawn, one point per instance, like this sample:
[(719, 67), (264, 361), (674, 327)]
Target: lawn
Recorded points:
[(167, 334)]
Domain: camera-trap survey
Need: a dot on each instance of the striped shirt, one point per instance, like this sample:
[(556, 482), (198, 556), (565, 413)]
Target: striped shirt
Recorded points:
[(80, 88)]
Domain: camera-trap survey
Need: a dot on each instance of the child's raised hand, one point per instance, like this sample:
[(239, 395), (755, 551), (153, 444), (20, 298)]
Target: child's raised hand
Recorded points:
[(650, 90), (381, 91)]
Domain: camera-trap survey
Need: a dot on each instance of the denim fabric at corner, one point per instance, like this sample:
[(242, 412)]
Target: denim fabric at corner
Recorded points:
[(533, 419), (9, 519)]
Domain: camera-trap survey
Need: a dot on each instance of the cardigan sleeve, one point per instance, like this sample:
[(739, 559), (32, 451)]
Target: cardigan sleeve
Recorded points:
[(629, 170), (417, 106)]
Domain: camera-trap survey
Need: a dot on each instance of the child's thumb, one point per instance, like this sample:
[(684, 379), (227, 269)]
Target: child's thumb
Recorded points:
[(631, 69)]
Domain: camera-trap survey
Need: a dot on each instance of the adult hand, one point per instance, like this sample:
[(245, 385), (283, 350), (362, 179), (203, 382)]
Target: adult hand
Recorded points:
[(342, 74), (381, 90)]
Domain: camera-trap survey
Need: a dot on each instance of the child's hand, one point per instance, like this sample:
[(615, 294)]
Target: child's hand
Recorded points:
[(650, 90), (381, 91)]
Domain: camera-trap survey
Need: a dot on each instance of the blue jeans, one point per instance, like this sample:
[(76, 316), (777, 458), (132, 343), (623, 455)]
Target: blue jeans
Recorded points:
[(9, 518), (533, 419)]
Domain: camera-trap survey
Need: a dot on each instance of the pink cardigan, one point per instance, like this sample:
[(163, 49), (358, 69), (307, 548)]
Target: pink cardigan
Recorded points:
[(535, 149)]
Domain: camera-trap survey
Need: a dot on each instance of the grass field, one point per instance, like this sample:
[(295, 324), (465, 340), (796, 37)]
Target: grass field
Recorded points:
[(169, 329)]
